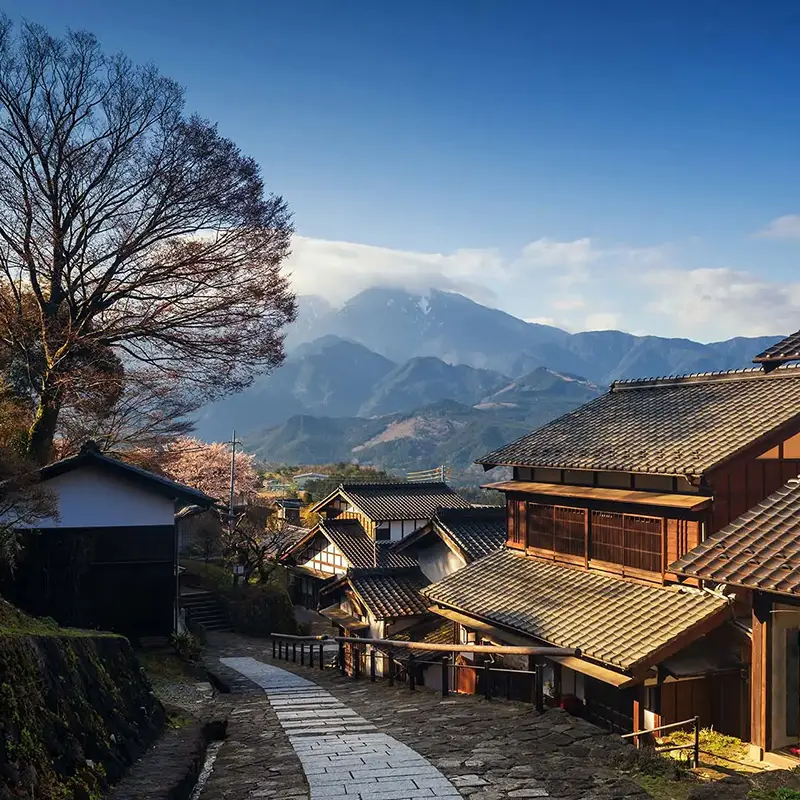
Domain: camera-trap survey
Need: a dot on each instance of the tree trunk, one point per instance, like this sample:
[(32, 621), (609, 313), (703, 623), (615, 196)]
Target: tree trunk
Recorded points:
[(43, 429)]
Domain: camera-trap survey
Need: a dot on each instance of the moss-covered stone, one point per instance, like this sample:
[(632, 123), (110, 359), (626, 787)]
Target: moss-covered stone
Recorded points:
[(75, 710)]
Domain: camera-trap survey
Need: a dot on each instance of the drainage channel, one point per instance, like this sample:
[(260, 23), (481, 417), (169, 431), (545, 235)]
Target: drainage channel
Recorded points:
[(208, 765)]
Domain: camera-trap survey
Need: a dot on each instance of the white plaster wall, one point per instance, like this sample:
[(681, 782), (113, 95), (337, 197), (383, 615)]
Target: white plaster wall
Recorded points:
[(437, 561), (330, 554), (91, 498), (399, 529)]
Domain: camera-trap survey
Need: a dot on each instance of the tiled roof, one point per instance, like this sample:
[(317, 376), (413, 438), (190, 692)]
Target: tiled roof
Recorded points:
[(671, 426), (759, 550), (402, 499), (390, 592), (475, 531), (359, 548), (611, 620), (787, 349)]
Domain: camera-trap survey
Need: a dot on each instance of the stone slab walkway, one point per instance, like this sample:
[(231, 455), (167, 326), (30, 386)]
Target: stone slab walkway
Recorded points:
[(343, 755), (488, 750)]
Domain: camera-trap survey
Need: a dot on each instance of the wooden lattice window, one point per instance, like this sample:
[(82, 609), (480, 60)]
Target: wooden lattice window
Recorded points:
[(516, 531), (540, 526), (557, 528), (632, 541), (569, 530)]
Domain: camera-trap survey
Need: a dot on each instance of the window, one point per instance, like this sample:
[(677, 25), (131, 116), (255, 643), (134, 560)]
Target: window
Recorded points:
[(516, 527), (383, 534), (632, 541), (557, 528)]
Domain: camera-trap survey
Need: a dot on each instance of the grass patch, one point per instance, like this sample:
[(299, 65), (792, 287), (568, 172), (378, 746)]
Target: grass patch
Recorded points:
[(14, 622), (164, 665), (660, 787), (714, 743)]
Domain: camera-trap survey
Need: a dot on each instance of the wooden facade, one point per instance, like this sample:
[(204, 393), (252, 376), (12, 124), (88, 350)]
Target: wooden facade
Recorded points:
[(627, 540), (638, 542)]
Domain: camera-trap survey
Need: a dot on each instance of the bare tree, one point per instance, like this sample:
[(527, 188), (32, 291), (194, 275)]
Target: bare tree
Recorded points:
[(127, 228), (147, 415), (257, 540)]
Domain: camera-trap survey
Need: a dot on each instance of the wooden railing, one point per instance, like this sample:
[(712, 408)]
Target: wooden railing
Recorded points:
[(286, 647), (694, 745)]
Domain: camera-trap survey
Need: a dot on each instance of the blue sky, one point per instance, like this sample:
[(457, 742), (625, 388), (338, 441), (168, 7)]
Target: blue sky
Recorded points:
[(613, 164)]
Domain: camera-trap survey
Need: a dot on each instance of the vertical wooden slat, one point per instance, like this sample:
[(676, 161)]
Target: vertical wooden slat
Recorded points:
[(759, 672)]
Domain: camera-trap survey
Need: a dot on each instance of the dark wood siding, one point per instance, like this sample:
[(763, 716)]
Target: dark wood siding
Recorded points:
[(746, 481), (716, 699)]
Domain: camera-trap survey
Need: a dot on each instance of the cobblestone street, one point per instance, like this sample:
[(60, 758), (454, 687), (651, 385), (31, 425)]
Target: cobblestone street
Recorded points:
[(486, 750)]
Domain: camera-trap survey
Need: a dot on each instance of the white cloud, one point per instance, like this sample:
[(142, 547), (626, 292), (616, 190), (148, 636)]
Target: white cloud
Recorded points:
[(785, 227), (721, 302), (340, 270), (569, 303), (606, 321), (575, 285)]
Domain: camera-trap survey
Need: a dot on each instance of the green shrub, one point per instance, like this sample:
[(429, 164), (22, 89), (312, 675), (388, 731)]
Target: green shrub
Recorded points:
[(774, 794), (260, 610), (207, 575)]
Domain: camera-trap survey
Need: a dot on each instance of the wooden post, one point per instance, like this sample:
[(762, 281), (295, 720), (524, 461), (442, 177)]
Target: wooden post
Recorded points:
[(355, 657), (294, 652), (302, 654), (557, 677), (372, 658), (342, 664), (273, 648), (321, 655), (487, 682), (391, 671), (412, 669), (696, 742), (539, 688), (445, 675), (760, 673), (638, 714)]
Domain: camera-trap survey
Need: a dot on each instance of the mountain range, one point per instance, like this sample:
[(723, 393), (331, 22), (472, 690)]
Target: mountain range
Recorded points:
[(407, 381), (400, 326)]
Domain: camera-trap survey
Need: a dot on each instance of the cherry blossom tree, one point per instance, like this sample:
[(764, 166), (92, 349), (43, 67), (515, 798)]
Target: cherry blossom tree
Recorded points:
[(207, 467)]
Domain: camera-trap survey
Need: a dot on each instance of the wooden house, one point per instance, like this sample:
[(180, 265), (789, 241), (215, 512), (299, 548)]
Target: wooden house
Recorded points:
[(757, 558), (109, 559), (359, 524), (602, 501), (455, 537)]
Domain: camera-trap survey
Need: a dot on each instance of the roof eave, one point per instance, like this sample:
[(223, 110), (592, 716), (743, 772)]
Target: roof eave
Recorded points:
[(158, 485)]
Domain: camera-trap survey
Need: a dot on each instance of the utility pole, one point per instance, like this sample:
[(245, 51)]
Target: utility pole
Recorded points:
[(233, 479)]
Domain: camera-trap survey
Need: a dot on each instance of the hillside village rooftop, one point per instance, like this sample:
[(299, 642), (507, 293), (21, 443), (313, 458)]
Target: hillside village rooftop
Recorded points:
[(680, 426)]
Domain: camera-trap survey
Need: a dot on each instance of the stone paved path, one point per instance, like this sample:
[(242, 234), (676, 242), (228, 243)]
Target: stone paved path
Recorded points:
[(341, 752), (487, 750)]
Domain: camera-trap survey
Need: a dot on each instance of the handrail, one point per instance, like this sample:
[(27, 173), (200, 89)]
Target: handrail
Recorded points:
[(659, 728), (464, 648), (695, 745), (294, 638)]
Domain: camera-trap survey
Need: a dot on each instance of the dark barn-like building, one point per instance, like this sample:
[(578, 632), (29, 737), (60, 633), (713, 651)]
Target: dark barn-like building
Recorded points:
[(108, 561)]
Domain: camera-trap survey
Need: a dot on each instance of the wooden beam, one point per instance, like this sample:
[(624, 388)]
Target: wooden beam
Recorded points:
[(760, 683)]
